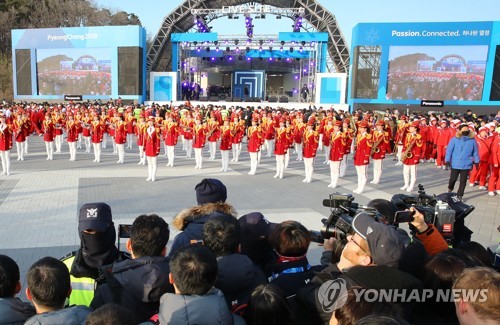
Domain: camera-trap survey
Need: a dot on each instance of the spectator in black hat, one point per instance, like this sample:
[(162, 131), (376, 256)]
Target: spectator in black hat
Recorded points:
[(369, 259), (237, 276), (97, 248), (12, 310), (254, 243), (268, 305), (137, 284), (211, 196)]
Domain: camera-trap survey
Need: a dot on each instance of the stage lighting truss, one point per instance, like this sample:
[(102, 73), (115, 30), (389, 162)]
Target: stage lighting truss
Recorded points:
[(201, 24), (297, 23), (249, 25)]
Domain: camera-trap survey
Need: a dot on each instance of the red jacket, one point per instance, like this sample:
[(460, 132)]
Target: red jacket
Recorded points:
[(337, 149), (200, 136), (381, 139), (171, 133), (282, 141), (363, 148), (413, 145), (310, 146), (495, 151), (5, 137), (226, 138), (484, 148), (442, 136), (152, 141), (254, 135)]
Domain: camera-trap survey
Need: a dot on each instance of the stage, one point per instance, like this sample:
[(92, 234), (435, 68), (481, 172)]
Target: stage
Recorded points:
[(287, 106)]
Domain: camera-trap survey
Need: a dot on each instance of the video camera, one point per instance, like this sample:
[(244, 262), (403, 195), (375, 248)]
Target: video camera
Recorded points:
[(339, 223), (445, 211)]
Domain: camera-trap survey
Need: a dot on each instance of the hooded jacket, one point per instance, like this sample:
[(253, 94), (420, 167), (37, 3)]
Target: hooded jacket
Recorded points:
[(75, 315), (237, 278), (135, 284), (209, 309), (190, 222), (14, 311), (462, 151)]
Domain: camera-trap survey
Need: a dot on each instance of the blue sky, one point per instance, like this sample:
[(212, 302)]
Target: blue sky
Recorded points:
[(348, 13)]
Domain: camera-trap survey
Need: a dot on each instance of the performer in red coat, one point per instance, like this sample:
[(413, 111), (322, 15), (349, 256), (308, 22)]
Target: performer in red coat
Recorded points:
[(430, 154), (337, 152), (130, 123), (96, 134), (349, 138), (5, 144), (86, 120), (188, 132), (298, 134), (213, 134), (152, 146), (379, 149), (200, 136), (19, 135), (362, 155), (120, 138), (282, 144), (494, 181), (325, 138), (59, 124), (310, 146), (238, 129), (484, 148), (400, 137), (254, 136), (441, 139), (225, 144), (48, 135), (412, 152), (269, 133), (71, 136), (140, 132), (170, 136)]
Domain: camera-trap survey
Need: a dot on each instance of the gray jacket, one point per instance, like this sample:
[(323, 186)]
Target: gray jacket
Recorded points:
[(14, 311), (74, 315), (210, 309)]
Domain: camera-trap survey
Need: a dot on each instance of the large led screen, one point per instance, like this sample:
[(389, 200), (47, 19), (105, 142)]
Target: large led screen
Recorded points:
[(74, 71), (436, 72)]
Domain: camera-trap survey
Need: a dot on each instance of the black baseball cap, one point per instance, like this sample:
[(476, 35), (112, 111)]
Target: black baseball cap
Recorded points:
[(96, 216), (254, 226)]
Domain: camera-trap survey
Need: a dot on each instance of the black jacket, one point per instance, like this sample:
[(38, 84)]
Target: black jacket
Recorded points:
[(135, 284), (290, 276), (190, 222), (237, 278)]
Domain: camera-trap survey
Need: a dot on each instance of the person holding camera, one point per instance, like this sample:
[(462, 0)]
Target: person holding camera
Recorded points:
[(461, 154)]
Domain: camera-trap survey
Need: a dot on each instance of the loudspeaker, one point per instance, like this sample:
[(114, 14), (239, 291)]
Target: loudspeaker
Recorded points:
[(214, 99), (203, 98), (283, 99), (273, 99), (23, 72), (130, 70)]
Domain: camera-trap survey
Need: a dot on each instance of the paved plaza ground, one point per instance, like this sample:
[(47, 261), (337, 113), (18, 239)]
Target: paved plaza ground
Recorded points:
[(39, 201)]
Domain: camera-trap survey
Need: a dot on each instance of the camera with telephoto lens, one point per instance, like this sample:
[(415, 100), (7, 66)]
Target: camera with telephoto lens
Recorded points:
[(445, 211), (339, 223)]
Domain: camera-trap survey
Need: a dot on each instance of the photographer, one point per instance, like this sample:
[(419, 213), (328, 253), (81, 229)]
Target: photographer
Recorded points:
[(427, 234), (369, 259)]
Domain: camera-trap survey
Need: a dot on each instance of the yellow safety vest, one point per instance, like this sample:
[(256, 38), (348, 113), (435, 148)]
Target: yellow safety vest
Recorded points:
[(82, 288)]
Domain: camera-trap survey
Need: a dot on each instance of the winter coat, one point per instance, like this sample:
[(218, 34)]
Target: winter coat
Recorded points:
[(237, 278), (191, 222), (209, 309), (75, 315), (14, 311), (462, 151), (135, 284)]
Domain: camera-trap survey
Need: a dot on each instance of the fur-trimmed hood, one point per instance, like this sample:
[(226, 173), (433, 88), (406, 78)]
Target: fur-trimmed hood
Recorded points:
[(187, 216)]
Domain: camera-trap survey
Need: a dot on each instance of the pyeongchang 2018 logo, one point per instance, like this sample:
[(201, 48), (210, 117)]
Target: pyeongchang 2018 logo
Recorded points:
[(332, 295)]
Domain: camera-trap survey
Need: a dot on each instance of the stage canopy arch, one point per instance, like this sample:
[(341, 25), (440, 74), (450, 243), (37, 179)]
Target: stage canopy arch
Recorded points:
[(315, 16)]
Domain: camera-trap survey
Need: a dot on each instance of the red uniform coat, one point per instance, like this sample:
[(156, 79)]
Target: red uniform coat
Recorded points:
[(400, 132), (152, 141), (97, 131), (130, 123), (200, 136), (254, 135), (48, 131), (380, 138), (213, 131), (120, 133), (171, 133), (140, 129), (18, 130), (238, 132), (188, 130), (327, 134), (282, 142), (226, 138), (311, 142), (484, 148), (442, 136), (5, 137), (298, 133), (338, 146), (349, 137), (59, 124), (363, 148), (269, 129), (72, 130), (415, 141), (495, 151), (86, 126)]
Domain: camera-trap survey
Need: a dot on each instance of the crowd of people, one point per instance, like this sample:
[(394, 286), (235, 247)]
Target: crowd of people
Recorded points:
[(96, 83), (225, 269), (334, 137)]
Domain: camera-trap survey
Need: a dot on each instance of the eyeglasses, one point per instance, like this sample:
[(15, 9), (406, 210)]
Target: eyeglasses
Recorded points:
[(352, 240)]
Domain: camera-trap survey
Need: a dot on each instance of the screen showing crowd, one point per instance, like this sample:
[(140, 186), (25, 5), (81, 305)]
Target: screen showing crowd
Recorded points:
[(74, 71), (436, 72)]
